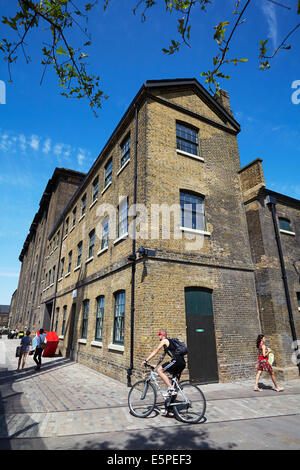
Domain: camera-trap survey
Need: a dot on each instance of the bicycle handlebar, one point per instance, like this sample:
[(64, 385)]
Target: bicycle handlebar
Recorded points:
[(149, 365)]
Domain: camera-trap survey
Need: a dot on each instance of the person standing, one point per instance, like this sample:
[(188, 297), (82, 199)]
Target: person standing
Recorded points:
[(26, 342), (263, 364), (39, 348)]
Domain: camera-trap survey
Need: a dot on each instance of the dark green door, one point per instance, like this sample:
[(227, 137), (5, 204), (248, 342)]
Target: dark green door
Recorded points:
[(71, 324), (201, 341)]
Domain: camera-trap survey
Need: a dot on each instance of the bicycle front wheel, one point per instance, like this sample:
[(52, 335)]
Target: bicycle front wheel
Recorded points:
[(190, 403), (142, 399)]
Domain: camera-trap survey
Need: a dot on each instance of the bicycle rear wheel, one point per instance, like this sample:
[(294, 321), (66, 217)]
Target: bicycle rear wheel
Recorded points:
[(190, 404), (142, 399)]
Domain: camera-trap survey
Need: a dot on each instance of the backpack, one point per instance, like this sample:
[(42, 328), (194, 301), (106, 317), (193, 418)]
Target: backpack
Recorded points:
[(180, 347), (43, 344)]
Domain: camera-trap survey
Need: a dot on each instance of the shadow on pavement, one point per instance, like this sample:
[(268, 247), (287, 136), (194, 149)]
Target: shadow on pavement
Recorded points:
[(7, 393), (12, 375), (192, 438)]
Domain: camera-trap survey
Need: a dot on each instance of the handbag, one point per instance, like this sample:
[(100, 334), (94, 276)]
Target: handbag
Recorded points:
[(18, 351), (271, 358), (43, 345)]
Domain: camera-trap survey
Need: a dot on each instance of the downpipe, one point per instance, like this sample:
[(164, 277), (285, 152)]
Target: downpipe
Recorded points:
[(132, 257), (271, 202)]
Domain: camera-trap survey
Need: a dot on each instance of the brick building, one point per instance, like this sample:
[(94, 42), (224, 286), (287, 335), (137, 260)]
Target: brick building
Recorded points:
[(274, 232), (25, 304), (156, 236), (4, 314)]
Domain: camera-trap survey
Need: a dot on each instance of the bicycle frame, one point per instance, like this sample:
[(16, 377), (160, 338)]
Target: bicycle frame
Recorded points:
[(152, 377)]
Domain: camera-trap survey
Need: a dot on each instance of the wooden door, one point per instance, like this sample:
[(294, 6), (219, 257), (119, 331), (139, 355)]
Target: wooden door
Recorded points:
[(201, 341)]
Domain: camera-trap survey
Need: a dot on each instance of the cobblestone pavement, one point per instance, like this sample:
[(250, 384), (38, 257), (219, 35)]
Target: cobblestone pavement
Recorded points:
[(67, 399)]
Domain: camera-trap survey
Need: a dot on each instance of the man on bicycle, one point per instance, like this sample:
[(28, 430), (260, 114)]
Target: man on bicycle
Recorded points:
[(175, 366)]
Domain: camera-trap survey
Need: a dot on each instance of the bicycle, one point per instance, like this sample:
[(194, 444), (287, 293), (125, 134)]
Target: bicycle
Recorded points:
[(188, 404)]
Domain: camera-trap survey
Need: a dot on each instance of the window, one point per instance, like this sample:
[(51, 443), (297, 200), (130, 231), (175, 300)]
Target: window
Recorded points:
[(125, 151), (119, 316), (86, 307), (123, 217), (69, 262), (67, 226), (99, 318), (95, 190), (192, 211), (53, 274), (79, 253), (298, 298), (285, 224), (63, 326), (105, 232), (187, 139), (56, 321), (83, 205), (74, 216), (108, 173), (62, 264), (91, 243)]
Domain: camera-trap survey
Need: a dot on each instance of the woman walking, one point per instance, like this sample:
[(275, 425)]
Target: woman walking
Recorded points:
[(263, 364), (26, 342)]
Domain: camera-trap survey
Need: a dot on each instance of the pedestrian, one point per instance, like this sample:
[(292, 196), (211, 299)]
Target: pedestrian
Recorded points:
[(263, 364), (26, 342), (39, 348)]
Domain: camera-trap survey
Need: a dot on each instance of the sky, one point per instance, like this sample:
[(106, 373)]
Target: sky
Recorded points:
[(41, 130)]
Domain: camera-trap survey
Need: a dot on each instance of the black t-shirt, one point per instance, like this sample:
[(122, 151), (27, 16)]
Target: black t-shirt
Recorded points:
[(171, 350)]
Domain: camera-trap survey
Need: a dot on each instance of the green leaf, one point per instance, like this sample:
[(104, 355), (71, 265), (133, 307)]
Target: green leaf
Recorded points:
[(10, 22), (61, 51)]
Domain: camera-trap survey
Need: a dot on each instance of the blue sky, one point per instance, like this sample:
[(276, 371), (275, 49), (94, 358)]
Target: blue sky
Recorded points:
[(41, 130)]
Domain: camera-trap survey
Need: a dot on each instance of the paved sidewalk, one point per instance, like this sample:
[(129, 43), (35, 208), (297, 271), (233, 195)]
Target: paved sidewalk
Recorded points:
[(67, 399)]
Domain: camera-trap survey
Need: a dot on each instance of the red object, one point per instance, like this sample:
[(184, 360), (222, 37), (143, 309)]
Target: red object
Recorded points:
[(52, 342)]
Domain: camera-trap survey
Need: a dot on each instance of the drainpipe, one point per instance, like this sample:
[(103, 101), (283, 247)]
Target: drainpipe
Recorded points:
[(132, 256), (57, 276), (271, 202)]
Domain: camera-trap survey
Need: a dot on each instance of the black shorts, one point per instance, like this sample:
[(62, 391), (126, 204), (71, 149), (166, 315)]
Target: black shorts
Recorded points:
[(174, 367)]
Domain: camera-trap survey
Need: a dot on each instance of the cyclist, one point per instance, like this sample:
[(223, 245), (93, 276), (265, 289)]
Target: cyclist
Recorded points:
[(175, 366)]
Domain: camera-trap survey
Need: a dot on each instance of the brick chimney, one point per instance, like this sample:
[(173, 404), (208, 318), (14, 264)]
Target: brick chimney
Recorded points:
[(223, 100), (252, 178)]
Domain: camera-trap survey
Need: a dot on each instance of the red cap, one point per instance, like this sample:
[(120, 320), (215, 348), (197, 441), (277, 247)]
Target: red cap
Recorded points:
[(160, 333)]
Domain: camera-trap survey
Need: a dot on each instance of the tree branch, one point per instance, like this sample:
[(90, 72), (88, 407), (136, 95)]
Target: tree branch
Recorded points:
[(282, 43), (230, 37)]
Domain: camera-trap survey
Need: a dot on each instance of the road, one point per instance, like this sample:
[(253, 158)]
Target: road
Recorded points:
[(67, 406)]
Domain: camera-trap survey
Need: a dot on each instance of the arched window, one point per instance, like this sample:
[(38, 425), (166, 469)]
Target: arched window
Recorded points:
[(285, 224), (187, 138), (99, 317), (63, 326), (119, 317), (91, 243), (108, 173), (85, 317), (192, 211)]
